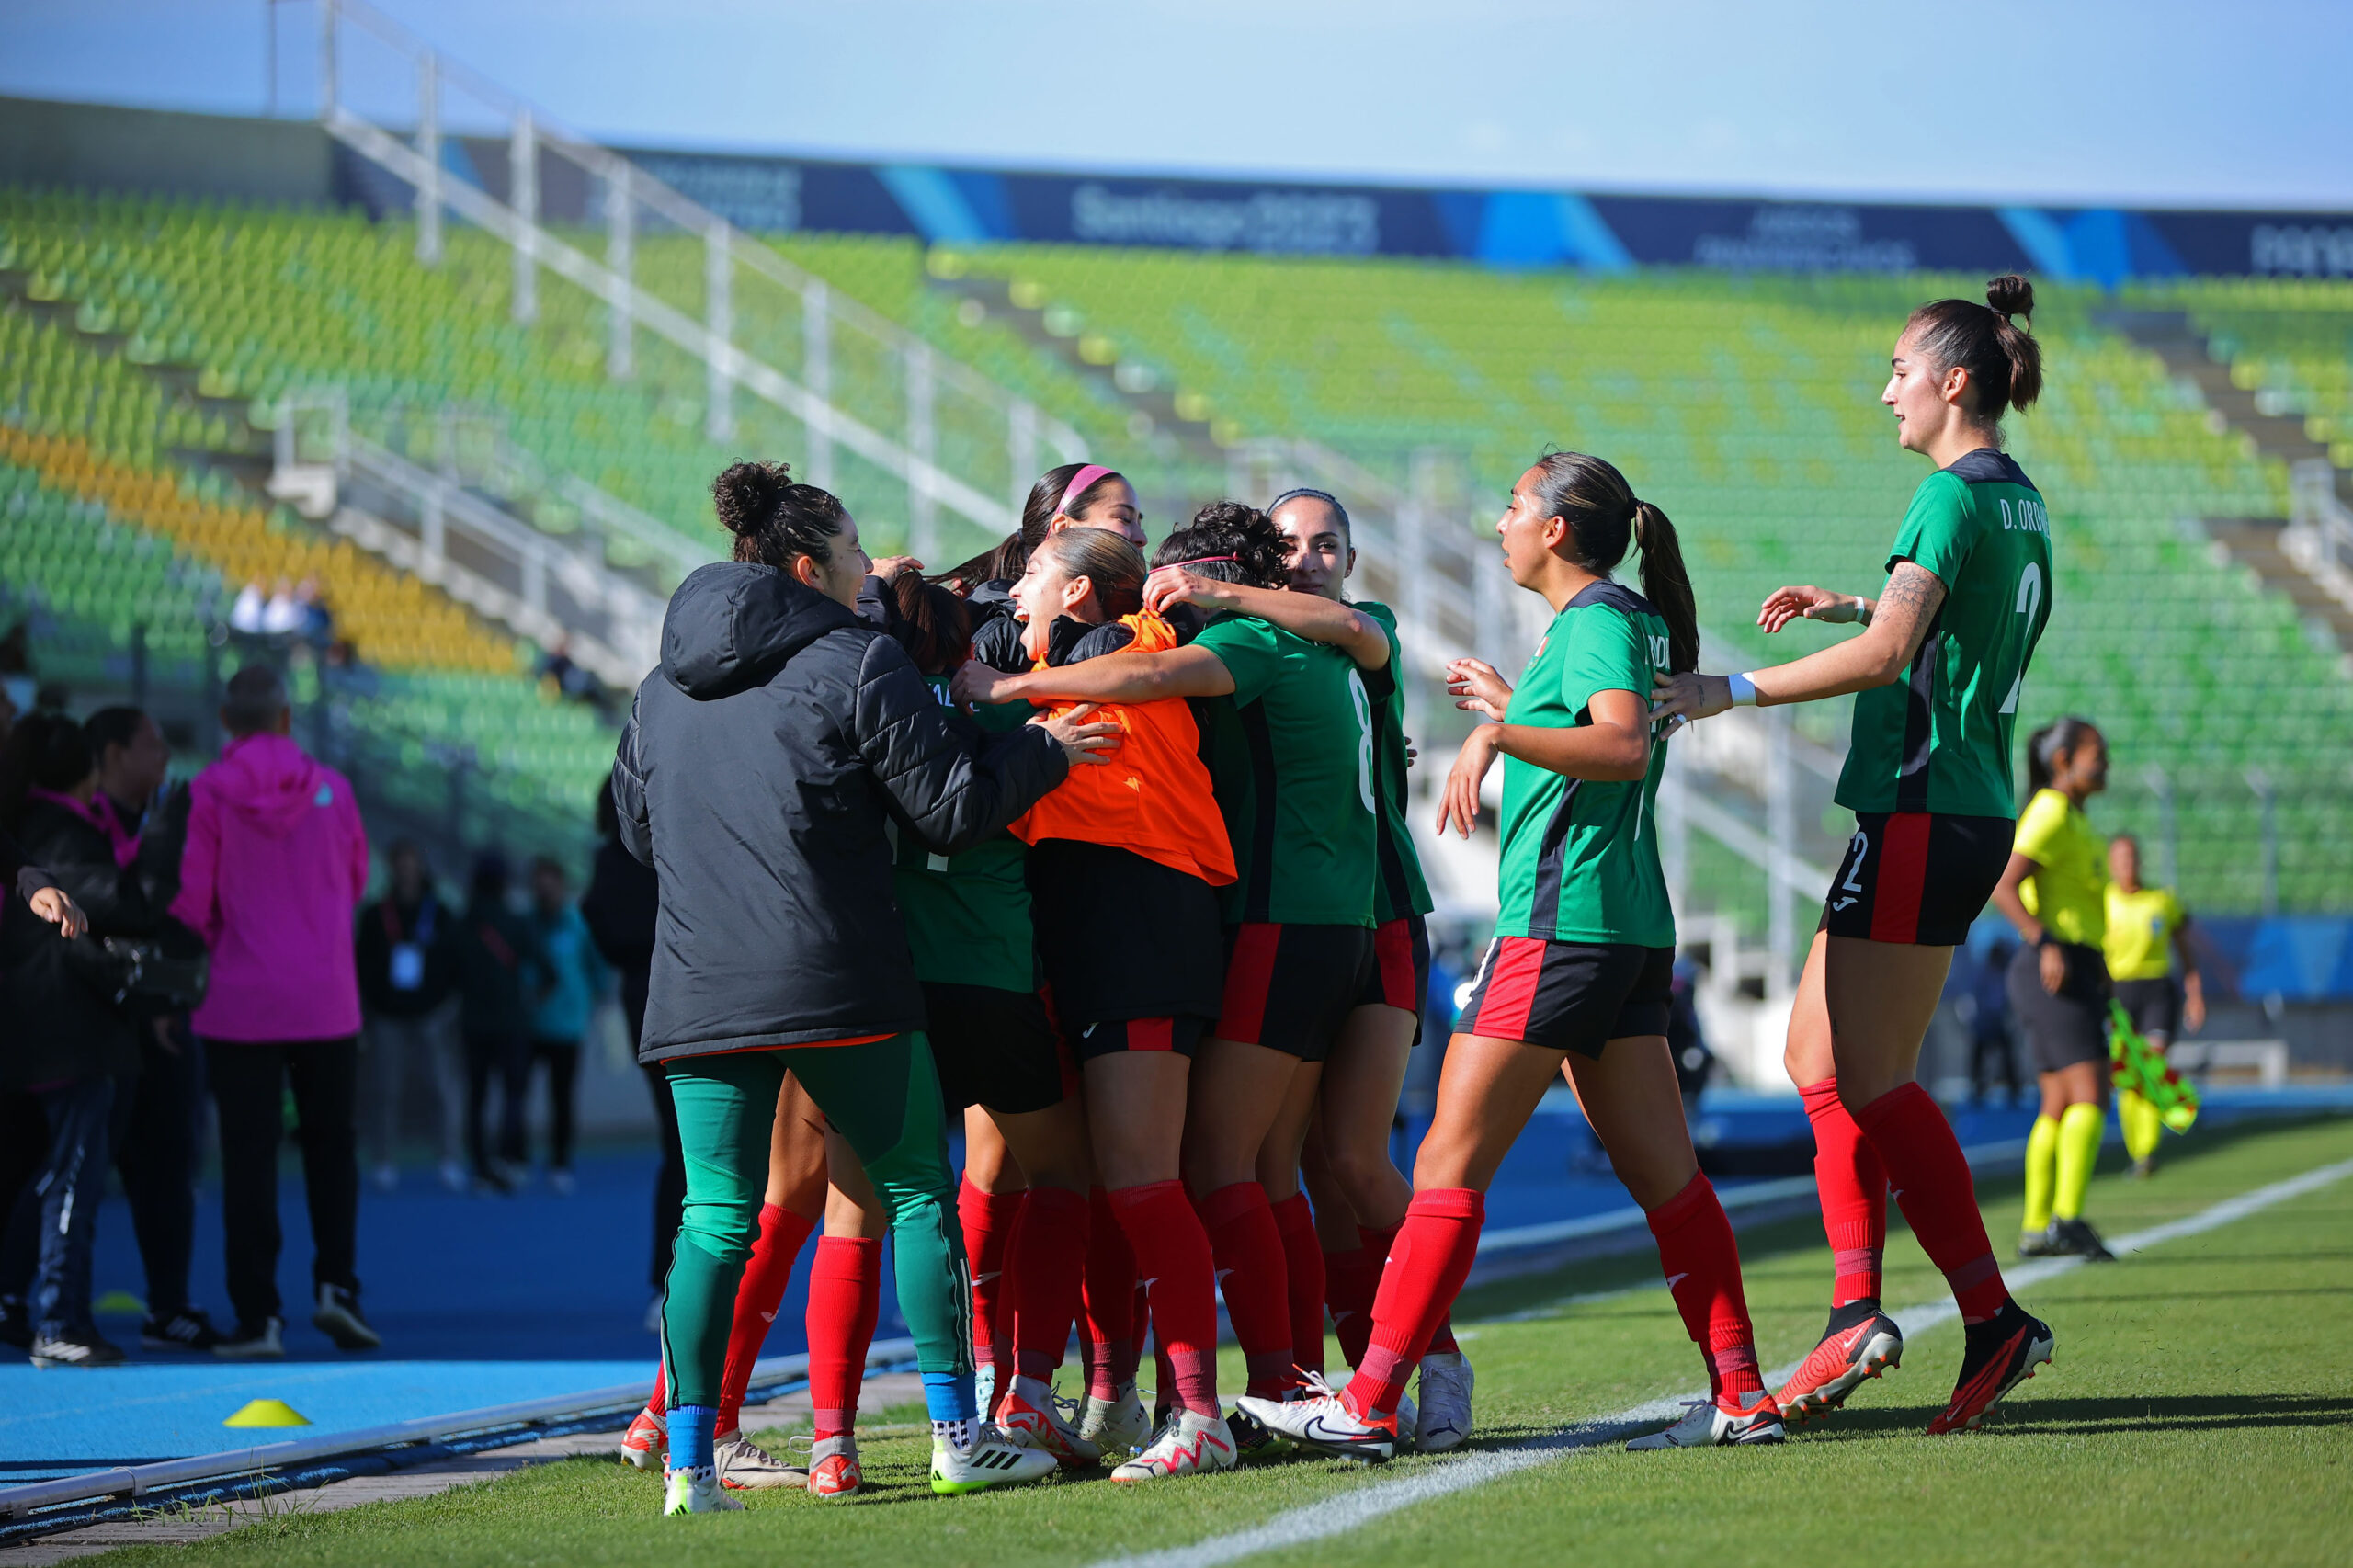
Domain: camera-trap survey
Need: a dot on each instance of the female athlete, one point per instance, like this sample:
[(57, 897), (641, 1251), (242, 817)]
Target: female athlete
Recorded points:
[(2055, 890), (2148, 930), (767, 754), (1937, 674)]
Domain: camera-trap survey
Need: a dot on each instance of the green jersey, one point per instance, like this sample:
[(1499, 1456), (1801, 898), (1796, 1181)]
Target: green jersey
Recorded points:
[(968, 914), (1400, 891), (1938, 740), (1293, 772), (1580, 860)]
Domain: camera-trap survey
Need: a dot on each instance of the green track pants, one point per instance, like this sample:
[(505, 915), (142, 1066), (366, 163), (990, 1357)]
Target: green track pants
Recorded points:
[(884, 1098)]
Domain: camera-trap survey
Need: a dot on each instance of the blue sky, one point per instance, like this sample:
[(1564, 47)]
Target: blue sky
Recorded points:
[(2157, 103)]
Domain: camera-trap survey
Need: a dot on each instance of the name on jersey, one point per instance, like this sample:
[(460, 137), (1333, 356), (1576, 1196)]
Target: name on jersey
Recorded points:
[(2030, 516)]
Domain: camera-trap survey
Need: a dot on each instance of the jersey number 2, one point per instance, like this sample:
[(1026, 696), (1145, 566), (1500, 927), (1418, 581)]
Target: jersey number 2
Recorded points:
[(2030, 600)]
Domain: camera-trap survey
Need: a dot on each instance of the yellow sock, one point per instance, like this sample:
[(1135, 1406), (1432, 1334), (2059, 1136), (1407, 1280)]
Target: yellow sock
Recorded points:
[(2079, 1129), (2143, 1125), (2042, 1165)]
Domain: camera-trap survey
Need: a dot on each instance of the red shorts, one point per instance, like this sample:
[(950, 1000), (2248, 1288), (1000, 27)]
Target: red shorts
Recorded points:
[(1917, 878), (1289, 988), (1400, 976)]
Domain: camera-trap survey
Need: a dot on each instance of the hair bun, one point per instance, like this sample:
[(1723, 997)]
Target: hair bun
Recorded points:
[(2010, 295), (747, 494)]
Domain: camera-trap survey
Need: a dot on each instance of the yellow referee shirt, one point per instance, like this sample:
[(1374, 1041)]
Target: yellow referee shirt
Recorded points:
[(2068, 890), (2140, 932)]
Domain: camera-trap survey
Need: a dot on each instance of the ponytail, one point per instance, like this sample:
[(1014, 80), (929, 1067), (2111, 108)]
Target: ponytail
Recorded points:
[(1604, 520), (1050, 496), (1668, 586), (2046, 745), (2004, 361)]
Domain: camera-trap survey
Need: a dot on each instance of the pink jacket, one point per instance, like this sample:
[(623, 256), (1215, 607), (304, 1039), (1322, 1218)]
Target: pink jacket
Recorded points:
[(272, 875)]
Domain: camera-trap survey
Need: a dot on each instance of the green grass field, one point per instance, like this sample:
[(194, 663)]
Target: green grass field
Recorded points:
[(2200, 1410)]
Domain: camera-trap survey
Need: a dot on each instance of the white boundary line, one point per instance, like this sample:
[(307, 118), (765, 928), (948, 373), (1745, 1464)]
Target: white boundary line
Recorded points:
[(1352, 1510)]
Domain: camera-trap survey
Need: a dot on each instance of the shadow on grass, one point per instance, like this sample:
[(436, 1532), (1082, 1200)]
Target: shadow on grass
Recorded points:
[(2179, 1413)]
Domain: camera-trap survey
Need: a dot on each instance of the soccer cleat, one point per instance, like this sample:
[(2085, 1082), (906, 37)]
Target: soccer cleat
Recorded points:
[(84, 1346), (2040, 1243), (2075, 1238), (993, 1460), (2002, 1352), (646, 1443), (2145, 1167), (1118, 1425), (1321, 1419), (248, 1343), (1867, 1344), (696, 1490), (1191, 1444), (1726, 1419), (1031, 1414), (833, 1466), (745, 1466), (187, 1329), (1445, 1417), (338, 1318), (1251, 1439)]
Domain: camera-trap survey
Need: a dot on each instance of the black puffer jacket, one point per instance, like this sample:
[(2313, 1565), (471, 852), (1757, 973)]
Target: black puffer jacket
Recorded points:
[(756, 776)]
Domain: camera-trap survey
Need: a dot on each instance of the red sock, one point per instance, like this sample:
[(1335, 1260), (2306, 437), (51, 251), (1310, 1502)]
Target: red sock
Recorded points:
[(1702, 1266), (1427, 1263), (1109, 1294), (756, 1299), (1303, 1269), (845, 1299), (1349, 1279), (1173, 1258), (989, 1220), (1047, 1262), (1929, 1177), (661, 1385), (1376, 1250), (1853, 1189), (1248, 1249)]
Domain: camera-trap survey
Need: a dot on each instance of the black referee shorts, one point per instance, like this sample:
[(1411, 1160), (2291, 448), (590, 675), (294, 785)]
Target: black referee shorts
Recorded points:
[(2154, 1006), (2067, 1028)]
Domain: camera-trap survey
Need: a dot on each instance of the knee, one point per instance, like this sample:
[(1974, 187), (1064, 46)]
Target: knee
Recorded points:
[(1361, 1176)]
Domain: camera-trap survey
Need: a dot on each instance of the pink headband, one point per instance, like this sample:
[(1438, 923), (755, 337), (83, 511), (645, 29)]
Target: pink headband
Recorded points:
[(1197, 560), (1079, 483)]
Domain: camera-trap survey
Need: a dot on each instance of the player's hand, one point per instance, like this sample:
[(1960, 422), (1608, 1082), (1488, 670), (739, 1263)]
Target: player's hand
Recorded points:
[(1477, 688), (1083, 742), (52, 905), (1784, 605), (890, 567), (1459, 801), (2193, 1005), (1411, 751), (976, 683), (1680, 699), (1174, 585), (2053, 964)]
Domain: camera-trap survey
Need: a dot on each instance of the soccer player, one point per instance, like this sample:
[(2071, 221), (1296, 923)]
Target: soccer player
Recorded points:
[(1579, 977), (2055, 890), (1124, 861), (2147, 929), (1937, 674)]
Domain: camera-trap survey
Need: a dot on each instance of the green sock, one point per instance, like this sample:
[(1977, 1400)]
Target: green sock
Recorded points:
[(2041, 1165), (2079, 1130)]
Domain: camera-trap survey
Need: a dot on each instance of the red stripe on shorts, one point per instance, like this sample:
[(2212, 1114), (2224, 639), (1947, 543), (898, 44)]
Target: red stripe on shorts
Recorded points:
[(1510, 993), (1393, 950), (1249, 975), (1902, 875), (1152, 1034)]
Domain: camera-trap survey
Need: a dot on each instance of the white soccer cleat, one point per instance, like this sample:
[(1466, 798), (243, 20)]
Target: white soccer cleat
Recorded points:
[(1445, 1417), (696, 1492), (993, 1460), (1321, 1420), (1191, 1444), (1116, 1425), (745, 1466), (1032, 1417), (1722, 1421)]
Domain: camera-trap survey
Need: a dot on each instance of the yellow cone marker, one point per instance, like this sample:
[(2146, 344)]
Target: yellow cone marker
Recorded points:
[(268, 1413)]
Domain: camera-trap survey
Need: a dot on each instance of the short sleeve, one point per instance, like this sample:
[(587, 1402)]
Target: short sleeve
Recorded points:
[(1605, 652), (2041, 825), (1253, 653), (1937, 532)]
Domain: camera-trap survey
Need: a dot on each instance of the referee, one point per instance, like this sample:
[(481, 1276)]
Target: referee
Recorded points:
[(2147, 929)]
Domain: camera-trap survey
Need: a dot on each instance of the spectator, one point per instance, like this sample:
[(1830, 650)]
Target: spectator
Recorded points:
[(501, 975), (72, 1048), (620, 906), (282, 617), (248, 612), (1985, 1007), (158, 1115), (576, 975), (271, 878), (405, 954)]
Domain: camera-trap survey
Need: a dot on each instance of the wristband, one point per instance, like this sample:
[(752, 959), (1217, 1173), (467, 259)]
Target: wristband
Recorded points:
[(1743, 691)]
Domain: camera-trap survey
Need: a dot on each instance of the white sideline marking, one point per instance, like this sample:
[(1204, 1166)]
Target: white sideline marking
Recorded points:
[(1350, 1511)]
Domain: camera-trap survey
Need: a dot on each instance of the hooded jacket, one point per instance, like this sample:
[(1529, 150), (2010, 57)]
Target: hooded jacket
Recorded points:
[(759, 766), (271, 877)]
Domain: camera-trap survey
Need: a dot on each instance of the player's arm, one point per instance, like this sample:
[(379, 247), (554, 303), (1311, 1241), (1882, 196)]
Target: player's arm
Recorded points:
[(2051, 962), (1900, 620), (1310, 616), (1191, 671), (1614, 748), (2193, 984)]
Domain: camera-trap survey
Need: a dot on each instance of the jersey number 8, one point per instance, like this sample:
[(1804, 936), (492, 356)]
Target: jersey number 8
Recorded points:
[(1363, 702)]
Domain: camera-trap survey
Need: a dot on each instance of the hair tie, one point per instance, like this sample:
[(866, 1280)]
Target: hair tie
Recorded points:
[(1079, 484)]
